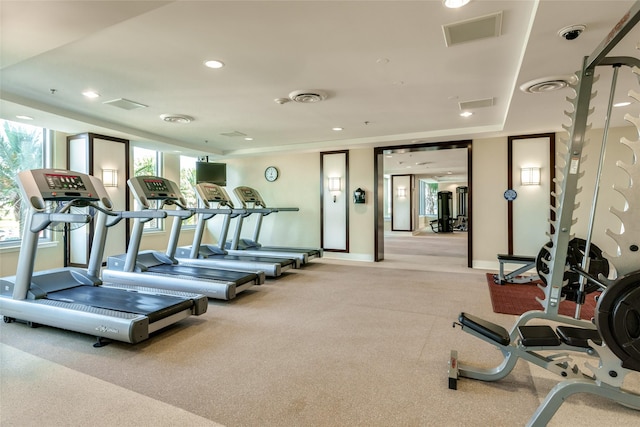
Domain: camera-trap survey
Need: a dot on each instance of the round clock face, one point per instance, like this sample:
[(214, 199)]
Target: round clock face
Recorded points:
[(510, 194), (271, 173)]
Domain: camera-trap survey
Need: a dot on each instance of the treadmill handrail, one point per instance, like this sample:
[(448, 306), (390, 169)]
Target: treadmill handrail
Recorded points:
[(208, 211), (116, 217), (180, 213), (285, 209), (43, 220)]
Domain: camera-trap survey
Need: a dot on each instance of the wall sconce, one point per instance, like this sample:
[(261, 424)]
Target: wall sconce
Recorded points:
[(110, 177), (530, 176), (402, 192), (335, 186)]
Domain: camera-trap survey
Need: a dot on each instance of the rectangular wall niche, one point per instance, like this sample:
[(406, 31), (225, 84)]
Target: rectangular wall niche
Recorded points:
[(402, 202), (93, 154), (334, 201)]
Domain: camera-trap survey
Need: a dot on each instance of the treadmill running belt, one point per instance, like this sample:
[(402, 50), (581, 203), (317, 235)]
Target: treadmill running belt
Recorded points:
[(151, 305), (205, 273)]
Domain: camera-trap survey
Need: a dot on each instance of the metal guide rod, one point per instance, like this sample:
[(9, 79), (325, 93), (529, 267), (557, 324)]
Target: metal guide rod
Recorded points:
[(596, 192)]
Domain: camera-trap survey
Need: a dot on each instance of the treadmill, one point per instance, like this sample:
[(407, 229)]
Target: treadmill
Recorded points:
[(163, 270), (209, 196), (73, 298), (253, 203)]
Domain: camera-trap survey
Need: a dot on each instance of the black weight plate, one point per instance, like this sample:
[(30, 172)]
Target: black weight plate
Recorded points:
[(618, 319)]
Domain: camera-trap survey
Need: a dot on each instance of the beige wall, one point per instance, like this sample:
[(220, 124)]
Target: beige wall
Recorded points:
[(298, 186), (489, 215)]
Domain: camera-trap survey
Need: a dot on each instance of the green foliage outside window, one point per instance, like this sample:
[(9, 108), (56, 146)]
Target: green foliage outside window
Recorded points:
[(21, 149)]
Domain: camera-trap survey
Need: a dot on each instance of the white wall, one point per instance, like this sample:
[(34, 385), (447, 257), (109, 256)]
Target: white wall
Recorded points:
[(297, 186), (531, 207)]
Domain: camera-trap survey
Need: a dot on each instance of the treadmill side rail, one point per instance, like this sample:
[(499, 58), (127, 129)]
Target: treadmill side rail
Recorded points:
[(115, 325)]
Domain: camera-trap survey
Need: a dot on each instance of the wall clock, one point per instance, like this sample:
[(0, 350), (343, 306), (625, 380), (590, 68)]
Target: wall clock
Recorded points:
[(510, 194), (271, 173)]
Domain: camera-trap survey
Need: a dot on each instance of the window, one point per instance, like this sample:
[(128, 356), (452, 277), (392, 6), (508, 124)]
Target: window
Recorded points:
[(187, 182), (428, 198), (23, 147), (148, 162)]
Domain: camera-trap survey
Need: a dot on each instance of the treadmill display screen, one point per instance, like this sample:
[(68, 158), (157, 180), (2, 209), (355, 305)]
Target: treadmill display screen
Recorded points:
[(64, 182), (156, 185), (212, 193), (248, 195)]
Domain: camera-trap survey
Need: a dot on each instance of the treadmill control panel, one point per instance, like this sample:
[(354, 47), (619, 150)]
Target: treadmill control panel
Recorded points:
[(64, 182), (40, 185), (248, 195), (156, 185), (145, 188), (212, 193)]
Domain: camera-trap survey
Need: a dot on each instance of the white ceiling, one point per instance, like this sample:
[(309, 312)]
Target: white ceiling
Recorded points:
[(389, 76)]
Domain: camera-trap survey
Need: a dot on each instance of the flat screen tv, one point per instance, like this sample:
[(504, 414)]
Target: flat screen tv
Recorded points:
[(215, 173)]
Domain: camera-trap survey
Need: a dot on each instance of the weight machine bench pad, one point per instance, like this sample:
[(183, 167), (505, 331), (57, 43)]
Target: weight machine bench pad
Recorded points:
[(485, 328), (578, 337)]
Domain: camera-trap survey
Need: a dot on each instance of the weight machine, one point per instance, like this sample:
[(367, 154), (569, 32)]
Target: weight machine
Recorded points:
[(614, 337)]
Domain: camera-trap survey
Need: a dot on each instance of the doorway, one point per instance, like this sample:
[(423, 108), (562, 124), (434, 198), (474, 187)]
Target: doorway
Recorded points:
[(415, 158)]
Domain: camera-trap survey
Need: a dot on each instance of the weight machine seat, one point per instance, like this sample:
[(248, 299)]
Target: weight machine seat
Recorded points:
[(488, 329), (516, 258), (578, 337), (538, 336)]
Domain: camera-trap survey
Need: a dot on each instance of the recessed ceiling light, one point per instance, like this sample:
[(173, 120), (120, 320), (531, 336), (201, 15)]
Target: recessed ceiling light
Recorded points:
[(214, 63), (248, 138), (622, 104), (91, 94), (337, 129), (466, 114), (21, 117), (454, 4)]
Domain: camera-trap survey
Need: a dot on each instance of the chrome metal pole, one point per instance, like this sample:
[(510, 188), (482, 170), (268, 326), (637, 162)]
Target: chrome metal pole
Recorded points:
[(585, 259)]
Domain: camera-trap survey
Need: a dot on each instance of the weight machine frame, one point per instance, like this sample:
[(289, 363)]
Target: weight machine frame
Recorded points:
[(607, 378)]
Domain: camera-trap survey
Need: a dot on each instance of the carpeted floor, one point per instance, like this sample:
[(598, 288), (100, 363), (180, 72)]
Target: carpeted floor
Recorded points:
[(519, 298), (336, 343)]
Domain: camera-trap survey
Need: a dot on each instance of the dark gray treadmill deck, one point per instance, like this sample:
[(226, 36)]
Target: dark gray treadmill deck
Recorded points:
[(248, 258), (205, 273), (153, 306)]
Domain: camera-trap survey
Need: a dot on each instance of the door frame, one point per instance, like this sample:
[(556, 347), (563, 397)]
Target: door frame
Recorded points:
[(378, 193)]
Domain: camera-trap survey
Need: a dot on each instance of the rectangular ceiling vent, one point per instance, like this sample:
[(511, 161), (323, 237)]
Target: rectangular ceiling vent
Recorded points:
[(234, 134), (125, 104), (478, 103), (473, 29)]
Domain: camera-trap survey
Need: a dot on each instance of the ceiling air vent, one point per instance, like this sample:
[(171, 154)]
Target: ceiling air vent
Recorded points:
[(234, 134), (478, 103), (125, 104), (307, 96), (548, 84), (473, 29), (176, 118)]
